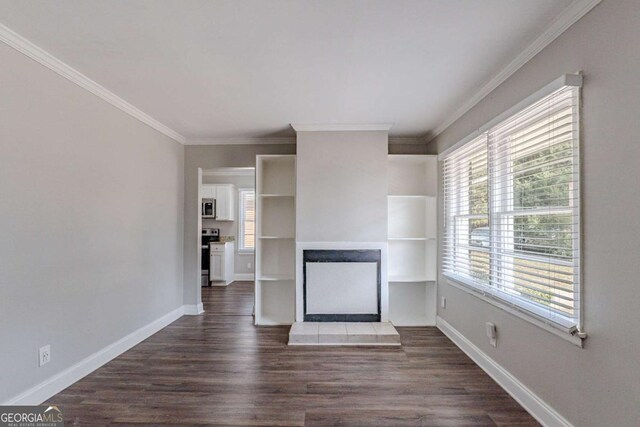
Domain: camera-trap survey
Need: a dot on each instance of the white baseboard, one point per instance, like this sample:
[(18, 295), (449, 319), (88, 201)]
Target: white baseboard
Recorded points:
[(193, 309), (537, 407), (53, 385), (244, 277)]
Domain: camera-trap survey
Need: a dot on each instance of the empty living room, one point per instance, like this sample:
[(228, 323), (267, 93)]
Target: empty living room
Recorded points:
[(320, 213)]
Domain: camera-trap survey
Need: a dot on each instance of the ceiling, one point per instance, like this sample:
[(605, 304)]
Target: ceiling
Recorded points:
[(248, 68)]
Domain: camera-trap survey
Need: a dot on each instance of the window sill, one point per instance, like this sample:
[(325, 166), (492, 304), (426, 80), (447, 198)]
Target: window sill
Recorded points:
[(530, 318)]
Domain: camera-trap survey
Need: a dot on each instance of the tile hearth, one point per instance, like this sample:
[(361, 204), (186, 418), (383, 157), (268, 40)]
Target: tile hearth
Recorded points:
[(347, 333)]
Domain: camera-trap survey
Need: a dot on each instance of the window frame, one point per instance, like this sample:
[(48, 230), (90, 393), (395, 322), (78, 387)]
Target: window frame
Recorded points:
[(569, 328), (241, 215)]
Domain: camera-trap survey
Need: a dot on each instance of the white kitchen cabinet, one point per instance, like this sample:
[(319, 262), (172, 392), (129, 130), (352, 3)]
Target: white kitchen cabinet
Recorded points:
[(216, 266), (221, 263), (225, 196), (208, 191)]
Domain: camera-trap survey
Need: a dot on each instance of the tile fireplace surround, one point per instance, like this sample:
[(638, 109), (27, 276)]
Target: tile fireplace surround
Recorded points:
[(347, 333)]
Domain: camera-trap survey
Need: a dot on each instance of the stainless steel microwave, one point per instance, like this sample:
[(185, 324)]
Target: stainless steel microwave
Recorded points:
[(209, 207)]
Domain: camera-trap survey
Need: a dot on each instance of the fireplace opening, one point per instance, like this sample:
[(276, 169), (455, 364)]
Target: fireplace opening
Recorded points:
[(342, 285)]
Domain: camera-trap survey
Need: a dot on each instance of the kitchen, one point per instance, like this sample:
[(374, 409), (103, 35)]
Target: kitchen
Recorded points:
[(227, 198)]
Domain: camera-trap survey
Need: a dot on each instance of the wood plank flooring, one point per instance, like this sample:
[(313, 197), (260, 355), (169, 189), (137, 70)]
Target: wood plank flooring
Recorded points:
[(219, 369)]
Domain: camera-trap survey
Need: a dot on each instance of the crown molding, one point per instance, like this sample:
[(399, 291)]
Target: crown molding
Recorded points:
[(302, 127), (569, 16), (406, 140), (24, 46), (241, 141), (286, 140)]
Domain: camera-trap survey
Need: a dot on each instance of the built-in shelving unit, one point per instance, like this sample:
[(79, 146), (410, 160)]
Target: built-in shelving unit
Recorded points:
[(412, 239), (275, 249)]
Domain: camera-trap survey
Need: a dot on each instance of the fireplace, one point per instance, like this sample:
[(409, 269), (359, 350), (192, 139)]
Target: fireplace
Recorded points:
[(342, 285)]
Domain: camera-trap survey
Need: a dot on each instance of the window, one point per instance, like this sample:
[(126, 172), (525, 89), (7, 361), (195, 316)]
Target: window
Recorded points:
[(246, 229), (512, 211)]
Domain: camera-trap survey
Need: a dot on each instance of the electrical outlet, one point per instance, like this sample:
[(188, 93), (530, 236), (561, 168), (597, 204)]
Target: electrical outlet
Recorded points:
[(249, 265), (492, 334), (45, 355), (443, 302)]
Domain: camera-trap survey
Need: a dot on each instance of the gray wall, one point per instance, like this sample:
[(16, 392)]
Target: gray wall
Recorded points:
[(230, 228), (210, 157), (341, 186), (600, 384), (411, 148), (91, 202), (221, 156)]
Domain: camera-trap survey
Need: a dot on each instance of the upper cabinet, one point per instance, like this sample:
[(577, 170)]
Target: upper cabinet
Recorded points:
[(208, 191), (225, 196)]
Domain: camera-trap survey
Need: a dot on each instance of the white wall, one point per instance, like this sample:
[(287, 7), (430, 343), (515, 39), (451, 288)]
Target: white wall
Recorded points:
[(341, 199), (91, 223), (600, 384), (341, 190), (230, 228)]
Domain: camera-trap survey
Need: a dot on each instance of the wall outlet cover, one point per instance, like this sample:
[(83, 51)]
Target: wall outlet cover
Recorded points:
[(45, 355), (443, 302), (492, 334)]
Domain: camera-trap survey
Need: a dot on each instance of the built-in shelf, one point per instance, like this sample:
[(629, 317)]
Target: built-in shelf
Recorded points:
[(412, 243), (275, 246), (208, 217)]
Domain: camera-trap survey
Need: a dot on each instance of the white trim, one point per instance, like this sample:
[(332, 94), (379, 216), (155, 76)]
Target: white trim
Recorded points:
[(243, 277), (538, 408), (562, 81), (58, 382), (230, 172), (339, 127), (405, 140), (193, 309), (241, 141), (38, 54), (402, 140), (569, 16)]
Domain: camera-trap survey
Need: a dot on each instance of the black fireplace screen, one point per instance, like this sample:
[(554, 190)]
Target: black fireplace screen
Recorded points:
[(339, 255)]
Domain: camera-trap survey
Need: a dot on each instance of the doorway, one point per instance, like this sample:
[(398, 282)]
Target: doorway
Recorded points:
[(226, 230)]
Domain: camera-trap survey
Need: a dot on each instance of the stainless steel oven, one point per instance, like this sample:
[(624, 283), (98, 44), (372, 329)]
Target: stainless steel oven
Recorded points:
[(208, 235)]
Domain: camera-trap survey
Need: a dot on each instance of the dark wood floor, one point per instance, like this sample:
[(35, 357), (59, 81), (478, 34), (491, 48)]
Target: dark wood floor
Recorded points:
[(219, 369)]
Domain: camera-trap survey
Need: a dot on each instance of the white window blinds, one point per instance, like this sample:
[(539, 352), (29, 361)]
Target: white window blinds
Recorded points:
[(247, 220), (512, 210)]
